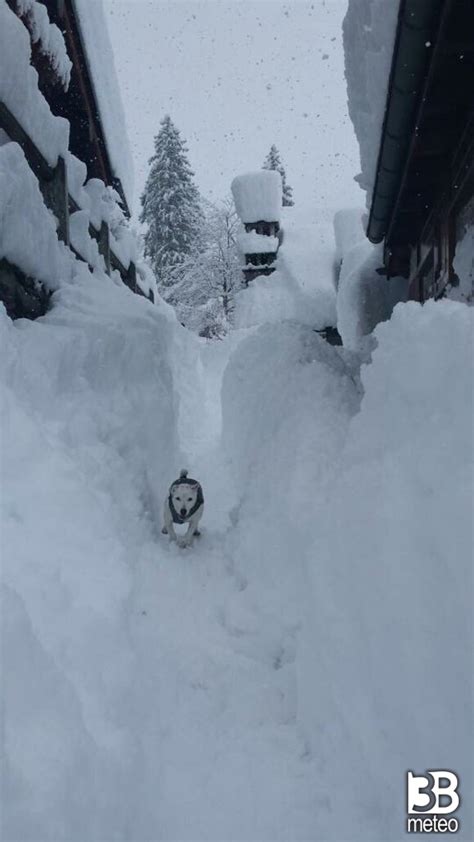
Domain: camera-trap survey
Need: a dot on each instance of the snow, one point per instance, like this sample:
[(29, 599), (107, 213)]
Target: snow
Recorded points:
[(463, 263), (146, 279), (364, 298), (76, 178), (302, 288), (348, 230), (19, 89), (49, 37), (369, 31), (280, 678), (100, 58), (258, 196), (28, 237), (81, 452), (389, 615), (278, 297), (253, 243), (81, 241)]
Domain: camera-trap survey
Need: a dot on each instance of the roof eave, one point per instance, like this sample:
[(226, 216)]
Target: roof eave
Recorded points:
[(418, 28)]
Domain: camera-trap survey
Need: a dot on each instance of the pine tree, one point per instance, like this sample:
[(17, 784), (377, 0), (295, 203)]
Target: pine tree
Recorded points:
[(273, 162), (170, 208)]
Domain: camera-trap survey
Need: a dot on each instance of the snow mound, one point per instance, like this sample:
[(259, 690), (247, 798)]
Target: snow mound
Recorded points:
[(277, 297), (365, 298), (89, 419), (258, 196), (384, 679), (348, 230)]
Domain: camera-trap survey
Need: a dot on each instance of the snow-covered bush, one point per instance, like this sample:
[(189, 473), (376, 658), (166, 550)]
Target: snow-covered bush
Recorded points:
[(210, 278)]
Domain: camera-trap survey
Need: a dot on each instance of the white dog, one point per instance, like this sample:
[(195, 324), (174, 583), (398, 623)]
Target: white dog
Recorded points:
[(184, 504)]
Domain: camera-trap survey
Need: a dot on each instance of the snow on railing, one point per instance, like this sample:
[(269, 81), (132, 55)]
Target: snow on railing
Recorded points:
[(258, 201), (48, 36), (87, 216)]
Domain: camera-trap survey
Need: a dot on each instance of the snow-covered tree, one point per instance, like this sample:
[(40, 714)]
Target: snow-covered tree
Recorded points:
[(211, 276), (273, 162), (170, 208)]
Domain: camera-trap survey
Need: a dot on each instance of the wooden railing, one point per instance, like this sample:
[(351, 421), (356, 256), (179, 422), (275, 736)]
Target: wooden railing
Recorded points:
[(53, 185)]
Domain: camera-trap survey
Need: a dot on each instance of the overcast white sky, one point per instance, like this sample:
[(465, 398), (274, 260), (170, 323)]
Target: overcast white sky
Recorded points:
[(237, 76)]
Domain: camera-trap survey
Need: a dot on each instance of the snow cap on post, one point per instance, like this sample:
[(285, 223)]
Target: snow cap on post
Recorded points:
[(258, 196)]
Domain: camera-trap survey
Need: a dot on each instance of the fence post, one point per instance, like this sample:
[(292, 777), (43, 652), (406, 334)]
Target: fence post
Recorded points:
[(104, 245), (55, 194)]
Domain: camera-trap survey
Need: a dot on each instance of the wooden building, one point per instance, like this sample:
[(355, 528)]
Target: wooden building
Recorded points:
[(79, 104), (424, 187)]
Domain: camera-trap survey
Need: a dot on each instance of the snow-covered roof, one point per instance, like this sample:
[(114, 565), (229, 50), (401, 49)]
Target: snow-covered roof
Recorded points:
[(369, 35), (97, 46), (258, 196)]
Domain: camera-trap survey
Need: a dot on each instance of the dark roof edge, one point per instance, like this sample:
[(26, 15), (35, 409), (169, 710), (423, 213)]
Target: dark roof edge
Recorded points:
[(418, 25), (114, 179)]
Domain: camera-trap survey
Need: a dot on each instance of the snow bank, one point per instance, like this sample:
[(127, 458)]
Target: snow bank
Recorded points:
[(385, 684), (258, 196), (369, 31), (364, 298), (100, 58), (82, 242), (276, 298), (348, 230), (89, 422), (253, 243), (49, 37), (20, 93)]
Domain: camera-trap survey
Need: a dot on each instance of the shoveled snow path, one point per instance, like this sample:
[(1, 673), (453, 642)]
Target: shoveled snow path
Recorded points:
[(217, 700)]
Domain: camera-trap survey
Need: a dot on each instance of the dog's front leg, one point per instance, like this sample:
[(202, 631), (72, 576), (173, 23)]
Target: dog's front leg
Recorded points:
[(188, 539), (168, 528)]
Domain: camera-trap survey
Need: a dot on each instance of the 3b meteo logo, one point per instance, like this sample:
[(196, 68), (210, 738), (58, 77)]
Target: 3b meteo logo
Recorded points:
[(431, 798)]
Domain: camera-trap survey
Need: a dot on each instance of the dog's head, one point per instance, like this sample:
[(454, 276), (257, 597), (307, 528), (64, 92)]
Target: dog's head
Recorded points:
[(184, 496)]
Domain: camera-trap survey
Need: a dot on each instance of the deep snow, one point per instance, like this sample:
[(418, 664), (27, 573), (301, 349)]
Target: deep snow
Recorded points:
[(276, 681)]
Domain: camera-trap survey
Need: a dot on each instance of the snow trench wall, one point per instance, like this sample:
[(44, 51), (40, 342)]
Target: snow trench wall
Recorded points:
[(89, 444), (384, 682)]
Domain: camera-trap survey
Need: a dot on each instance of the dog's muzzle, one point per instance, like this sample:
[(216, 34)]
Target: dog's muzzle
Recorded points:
[(183, 512)]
